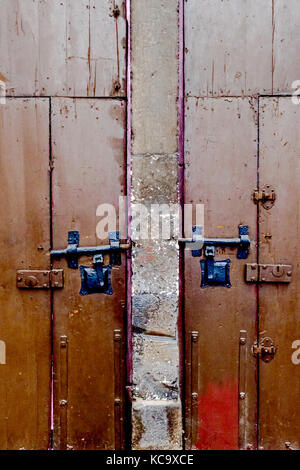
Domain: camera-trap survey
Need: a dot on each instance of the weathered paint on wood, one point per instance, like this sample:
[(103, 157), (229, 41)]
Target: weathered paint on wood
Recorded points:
[(88, 148), (286, 43), (228, 47), (279, 304), (63, 47), (24, 243), (221, 141)]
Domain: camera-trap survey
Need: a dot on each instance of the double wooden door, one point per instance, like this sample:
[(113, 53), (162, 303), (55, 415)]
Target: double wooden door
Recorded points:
[(242, 150), (237, 394), (62, 155)]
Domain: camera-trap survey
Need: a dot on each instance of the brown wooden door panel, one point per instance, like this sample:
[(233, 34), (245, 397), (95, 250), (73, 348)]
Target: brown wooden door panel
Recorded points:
[(220, 172), (24, 244), (88, 149), (286, 43), (228, 47), (279, 304), (63, 48)]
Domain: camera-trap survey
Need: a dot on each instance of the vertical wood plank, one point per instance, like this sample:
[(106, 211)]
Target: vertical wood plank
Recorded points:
[(88, 148), (64, 48), (24, 244), (286, 43), (279, 306), (220, 172)]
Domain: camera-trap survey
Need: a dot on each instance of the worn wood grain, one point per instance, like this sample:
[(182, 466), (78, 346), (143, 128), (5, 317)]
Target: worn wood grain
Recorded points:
[(286, 43), (24, 244), (63, 48), (88, 145), (221, 140), (279, 304), (228, 47)]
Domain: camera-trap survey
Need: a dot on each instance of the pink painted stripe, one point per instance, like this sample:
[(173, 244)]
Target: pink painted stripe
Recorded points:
[(181, 187), (129, 215)]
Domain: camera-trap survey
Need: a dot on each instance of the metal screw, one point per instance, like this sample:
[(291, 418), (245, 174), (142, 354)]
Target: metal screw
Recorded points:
[(63, 403), (117, 86), (242, 395), (242, 341), (194, 396), (289, 273)]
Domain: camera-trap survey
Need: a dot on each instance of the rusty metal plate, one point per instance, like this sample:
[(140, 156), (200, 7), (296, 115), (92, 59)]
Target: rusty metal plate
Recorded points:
[(286, 44), (266, 197), (30, 279), (269, 272), (33, 279), (264, 350)]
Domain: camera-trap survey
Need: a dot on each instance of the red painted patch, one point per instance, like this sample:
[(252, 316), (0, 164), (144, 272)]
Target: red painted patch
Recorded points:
[(218, 417)]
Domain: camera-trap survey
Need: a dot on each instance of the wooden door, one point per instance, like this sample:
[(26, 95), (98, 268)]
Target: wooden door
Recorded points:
[(88, 159), (46, 191), (279, 304), (239, 142), (220, 173), (25, 320), (62, 154)]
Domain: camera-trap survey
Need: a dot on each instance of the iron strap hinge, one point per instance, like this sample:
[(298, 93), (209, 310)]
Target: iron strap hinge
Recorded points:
[(268, 272), (36, 279)]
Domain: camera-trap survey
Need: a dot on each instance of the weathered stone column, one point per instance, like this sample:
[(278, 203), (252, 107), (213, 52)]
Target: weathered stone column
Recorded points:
[(157, 422)]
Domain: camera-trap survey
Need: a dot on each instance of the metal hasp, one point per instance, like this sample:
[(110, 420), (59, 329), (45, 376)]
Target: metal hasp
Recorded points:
[(214, 273), (280, 273), (267, 197), (217, 273), (29, 279), (73, 251), (96, 280), (265, 349)]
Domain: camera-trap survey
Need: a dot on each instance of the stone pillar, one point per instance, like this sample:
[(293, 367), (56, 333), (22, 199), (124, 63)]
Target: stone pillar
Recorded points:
[(156, 411)]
